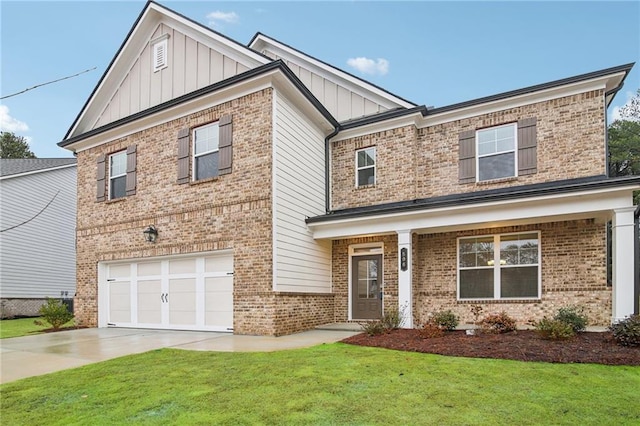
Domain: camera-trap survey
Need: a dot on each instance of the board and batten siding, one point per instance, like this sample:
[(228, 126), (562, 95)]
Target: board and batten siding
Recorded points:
[(302, 264), (38, 258), (191, 65), (342, 103)]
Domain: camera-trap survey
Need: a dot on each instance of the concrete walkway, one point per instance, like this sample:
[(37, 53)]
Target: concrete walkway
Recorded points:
[(22, 357)]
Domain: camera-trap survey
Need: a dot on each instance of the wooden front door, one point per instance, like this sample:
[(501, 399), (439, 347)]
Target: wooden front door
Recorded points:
[(366, 287)]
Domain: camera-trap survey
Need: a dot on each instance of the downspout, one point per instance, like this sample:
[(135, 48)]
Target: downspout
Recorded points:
[(636, 261), (327, 170)]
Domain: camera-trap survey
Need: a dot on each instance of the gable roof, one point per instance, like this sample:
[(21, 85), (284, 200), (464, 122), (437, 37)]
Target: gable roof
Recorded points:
[(10, 166), (261, 41), (151, 15)]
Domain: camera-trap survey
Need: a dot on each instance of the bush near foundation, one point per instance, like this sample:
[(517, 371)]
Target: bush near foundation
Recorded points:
[(55, 313), (446, 320), (498, 323), (627, 331), (573, 316), (554, 329)]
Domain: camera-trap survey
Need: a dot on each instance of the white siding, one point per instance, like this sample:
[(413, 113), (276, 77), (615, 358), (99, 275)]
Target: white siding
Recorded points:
[(191, 66), (38, 259), (339, 100), (302, 264)]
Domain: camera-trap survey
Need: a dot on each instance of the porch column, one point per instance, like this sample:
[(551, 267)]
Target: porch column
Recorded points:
[(623, 263), (405, 293)]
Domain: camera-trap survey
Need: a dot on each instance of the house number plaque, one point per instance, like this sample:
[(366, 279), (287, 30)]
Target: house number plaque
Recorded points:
[(403, 258)]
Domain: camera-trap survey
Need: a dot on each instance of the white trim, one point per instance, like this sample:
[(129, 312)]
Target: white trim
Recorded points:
[(497, 266), (273, 79), (376, 248), (111, 177), (416, 119), (358, 168), (549, 208), (274, 193), (334, 75), (193, 149), (623, 263), (33, 172), (514, 125)]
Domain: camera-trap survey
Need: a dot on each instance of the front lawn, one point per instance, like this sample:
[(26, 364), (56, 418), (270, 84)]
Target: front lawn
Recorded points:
[(24, 327), (327, 384)]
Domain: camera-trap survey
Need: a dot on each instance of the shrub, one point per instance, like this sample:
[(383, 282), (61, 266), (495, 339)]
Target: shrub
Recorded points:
[(373, 328), (554, 329), (392, 318), (430, 330), (446, 320), (574, 316), (627, 331), (55, 313), (498, 323)]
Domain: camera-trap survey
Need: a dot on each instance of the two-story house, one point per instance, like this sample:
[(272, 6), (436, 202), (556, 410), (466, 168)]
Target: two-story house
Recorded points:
[(259, 190)]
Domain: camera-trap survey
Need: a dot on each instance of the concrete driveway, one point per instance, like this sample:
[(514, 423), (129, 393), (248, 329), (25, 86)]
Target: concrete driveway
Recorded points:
[(22, 357)]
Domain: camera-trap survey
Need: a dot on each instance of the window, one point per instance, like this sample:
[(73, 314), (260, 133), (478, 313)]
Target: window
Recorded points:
[(205, 151), (499, 267), (117, 175), (159, 59), (366, 166), (496, 152)]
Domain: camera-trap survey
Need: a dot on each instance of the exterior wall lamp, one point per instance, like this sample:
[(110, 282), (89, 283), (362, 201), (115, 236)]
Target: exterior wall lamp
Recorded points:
[(150, 234)]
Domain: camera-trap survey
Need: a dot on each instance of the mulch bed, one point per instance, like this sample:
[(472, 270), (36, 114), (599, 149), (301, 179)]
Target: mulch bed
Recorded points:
[(523, 345)]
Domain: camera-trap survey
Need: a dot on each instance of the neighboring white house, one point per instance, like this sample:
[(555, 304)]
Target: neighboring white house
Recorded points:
[(37, 233)]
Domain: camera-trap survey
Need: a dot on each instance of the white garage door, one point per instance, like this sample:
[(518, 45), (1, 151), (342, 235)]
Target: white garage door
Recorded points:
[(184, 293)]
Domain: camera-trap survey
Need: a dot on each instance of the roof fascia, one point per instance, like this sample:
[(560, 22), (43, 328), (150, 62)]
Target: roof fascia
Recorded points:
[(33, 172), (150, 17), (330, 72), (273, 74), (609, 80), (595, 184)]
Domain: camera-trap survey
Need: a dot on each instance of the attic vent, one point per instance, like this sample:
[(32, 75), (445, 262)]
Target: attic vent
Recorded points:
[(159, 55)]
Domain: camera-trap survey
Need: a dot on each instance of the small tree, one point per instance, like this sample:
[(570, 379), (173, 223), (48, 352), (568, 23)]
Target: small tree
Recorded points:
[(12, 146), (55, 313)]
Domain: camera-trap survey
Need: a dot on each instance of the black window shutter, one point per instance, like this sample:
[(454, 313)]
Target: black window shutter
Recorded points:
[(527, 147), (131, 170), (100, 178), (467, 156), (225, 145), (183, 156)]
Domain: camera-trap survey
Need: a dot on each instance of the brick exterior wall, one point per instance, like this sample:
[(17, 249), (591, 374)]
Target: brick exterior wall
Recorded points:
[(573, 272), (232, 211), (421, 163), (573, 266)]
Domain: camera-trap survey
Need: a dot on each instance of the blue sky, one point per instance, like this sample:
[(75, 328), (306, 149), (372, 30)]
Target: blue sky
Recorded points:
[(431, 53)]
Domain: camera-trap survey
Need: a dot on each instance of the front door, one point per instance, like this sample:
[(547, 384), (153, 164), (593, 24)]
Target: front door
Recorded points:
[(366, 287)]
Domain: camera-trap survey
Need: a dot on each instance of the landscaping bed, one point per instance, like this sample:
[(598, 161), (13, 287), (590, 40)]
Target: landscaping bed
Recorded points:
[(521, 345)]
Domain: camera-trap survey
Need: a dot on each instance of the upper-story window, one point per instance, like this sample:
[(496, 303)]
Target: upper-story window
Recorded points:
[(205, 151), (159, 51), (366, 166), (503, 266), (497, 152), (117, 175)]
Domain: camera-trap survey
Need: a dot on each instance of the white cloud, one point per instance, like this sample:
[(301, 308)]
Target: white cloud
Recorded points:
[(369, 66), (218, 17), (10, 124)]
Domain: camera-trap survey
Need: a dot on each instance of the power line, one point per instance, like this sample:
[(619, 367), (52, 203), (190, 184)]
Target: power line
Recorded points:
[(29, 220), (48, 82)]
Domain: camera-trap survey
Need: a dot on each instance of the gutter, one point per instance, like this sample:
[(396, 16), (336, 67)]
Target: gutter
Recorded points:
[(636, 262), (327, 168)]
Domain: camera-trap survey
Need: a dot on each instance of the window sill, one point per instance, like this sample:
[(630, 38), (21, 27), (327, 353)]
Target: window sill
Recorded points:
[(115, 200), (501, 180), (198, 182), (496, 301), (371, 185)]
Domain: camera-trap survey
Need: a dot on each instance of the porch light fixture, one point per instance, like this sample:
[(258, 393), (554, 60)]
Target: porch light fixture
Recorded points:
[(150, 234)]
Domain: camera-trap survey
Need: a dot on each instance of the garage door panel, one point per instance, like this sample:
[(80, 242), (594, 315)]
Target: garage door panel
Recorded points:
[(120, 307), (189, 293)]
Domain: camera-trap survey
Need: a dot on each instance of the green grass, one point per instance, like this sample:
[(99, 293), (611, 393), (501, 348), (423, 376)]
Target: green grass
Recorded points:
[(328, 384), (23, 327)]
